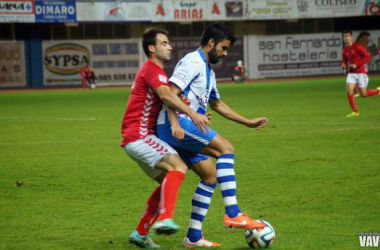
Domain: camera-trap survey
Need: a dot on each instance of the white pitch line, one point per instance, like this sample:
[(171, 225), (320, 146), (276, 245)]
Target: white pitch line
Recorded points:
[(52, 118), (76, 119), (300, 132), (305, 123), (33, 143), (226, 135), (48, 142)]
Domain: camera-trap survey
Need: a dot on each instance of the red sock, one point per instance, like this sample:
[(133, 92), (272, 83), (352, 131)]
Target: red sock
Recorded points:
[(372, 92), (150, 213), (169, 192), (351, 100)]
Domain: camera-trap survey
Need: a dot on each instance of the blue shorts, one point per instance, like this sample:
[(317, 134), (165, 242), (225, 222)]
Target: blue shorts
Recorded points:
[(193, 143)]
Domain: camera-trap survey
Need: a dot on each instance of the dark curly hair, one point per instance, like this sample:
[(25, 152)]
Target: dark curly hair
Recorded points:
[(219, 32)]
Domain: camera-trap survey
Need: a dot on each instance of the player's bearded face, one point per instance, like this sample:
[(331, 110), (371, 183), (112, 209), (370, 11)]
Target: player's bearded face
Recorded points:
[(219, 51), (213, 56)]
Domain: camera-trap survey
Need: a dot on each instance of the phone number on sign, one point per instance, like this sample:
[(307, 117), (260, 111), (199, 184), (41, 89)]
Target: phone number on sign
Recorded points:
[(116, 77)]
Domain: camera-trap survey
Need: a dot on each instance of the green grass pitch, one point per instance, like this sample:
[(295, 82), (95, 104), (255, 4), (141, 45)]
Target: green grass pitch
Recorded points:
[(312, 173)]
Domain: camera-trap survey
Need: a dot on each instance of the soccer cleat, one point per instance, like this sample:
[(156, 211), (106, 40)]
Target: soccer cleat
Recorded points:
[(143, 241), (166, 226), (357, 95), (242, 221), (200, 243), (353, 114), (378, 88)]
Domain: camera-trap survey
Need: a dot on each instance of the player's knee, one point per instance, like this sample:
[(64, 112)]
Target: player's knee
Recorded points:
[(178, 165), (181, 167), (172, 163), (211, 179), (228, 148)]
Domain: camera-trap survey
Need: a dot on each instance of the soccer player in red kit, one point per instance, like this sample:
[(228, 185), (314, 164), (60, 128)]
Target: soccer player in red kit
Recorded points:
[(354, 59), (155, 157), (362, 39)]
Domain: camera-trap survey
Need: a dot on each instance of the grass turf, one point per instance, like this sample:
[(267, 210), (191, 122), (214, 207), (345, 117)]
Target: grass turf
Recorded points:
[(312, 172)]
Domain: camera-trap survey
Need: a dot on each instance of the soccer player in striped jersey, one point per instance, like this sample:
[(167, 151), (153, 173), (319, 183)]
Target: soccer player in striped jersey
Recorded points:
[(155, 157), (195, 81), (354, 59)]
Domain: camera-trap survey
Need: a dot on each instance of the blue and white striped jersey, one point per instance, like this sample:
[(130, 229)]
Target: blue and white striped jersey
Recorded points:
[(194, 76)]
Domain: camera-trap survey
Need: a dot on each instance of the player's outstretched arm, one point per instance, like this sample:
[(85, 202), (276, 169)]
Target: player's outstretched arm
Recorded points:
[(226, 111), (173, 101)]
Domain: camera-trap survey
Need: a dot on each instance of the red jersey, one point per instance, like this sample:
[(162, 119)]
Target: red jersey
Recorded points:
[(356, 54), (144, 105)]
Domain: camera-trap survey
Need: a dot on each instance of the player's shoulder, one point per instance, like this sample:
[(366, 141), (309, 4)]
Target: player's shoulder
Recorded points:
[(149, 65), (149, 68), (189, 66), (191, 59), (358, 45), (149, 72)]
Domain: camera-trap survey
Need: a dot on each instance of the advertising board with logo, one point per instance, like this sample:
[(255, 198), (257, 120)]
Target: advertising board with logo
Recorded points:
[(272, 9), (114, 62), (371, 8), (174, 11), (295, 55), (223, 69), (55, 11), (200, 10), (226, 10), (17, 11), (12, 64), (328, 8), (113, 11)]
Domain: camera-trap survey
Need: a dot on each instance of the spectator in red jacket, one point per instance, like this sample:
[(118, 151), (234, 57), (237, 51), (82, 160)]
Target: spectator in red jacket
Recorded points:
[(239, 72), (89, 77)]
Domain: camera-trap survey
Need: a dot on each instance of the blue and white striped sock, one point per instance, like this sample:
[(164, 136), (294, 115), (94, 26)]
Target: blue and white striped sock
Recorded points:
[(200, 204), (225, 175)]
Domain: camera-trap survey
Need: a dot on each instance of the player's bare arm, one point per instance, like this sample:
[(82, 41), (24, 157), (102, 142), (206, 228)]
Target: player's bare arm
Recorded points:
[(226, 111), (177, 131), (173, 101), (175, 89)]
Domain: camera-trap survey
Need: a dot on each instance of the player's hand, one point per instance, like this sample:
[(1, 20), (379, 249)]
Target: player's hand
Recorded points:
[(353, 66), (201, 121), (178, 132), (344, 71), (257, 123)]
